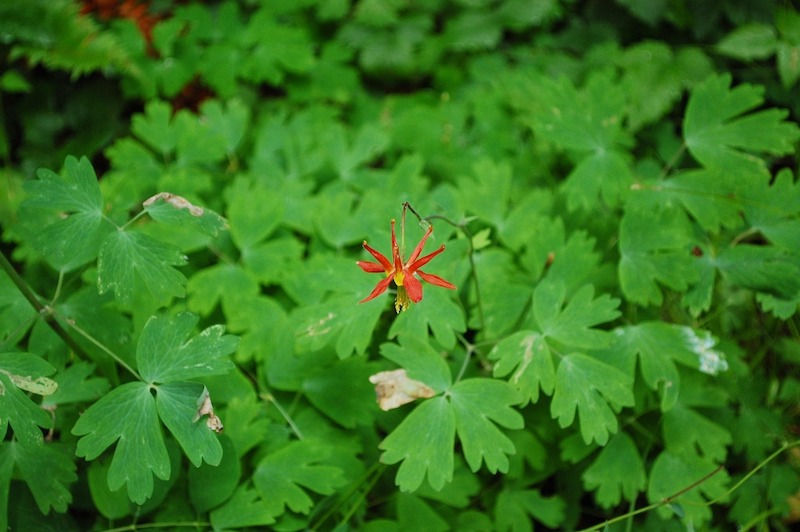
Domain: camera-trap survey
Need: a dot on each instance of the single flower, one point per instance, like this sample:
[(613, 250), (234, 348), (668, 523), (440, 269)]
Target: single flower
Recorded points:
[(409, 288)]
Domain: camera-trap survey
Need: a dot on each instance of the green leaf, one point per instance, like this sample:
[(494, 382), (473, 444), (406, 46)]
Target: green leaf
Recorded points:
[(76, 384), (658, 346), (515, 508), (478, 404), (74, 237), (421, 361), (244, 509), (705, 195), (130, 261), (527, 354), (749, 42), (588, 121), (221, 282), (281, 476), (594, 389), (27, 372), (231, 121), (605, 174), (413, 513), (155, 127), (654, 247), (437, 313), (570, 324), (721, 137), (210, 485), (16, 313), (110, 504), (574, 262), (488, 194), (685, 430), (263, 326), (48, 472), (772, 207), (18, 370), (617, 472), (245, 424), (424, 443), (128, 414), (672, 474), (171, 209), (765, 269), (343, 392), (6, 470), (341, 319), (277, 48), (178, 406), (254, 212), (165, 355), (370, 140)]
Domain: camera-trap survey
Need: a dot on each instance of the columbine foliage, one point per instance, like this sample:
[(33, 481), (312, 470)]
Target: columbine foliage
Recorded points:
[(616, 208)]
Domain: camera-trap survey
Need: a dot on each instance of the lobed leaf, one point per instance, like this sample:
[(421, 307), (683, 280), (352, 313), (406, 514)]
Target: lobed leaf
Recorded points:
[(48, 472), (527, 355), (177, 404), (671, 474), (164, 354), (131, 260), (16, 408), (616, 473), (424, 443), (76, 234), (281, 476), (571, 324), (478, 404), (686, 430), (128, 416), (720, 138), (595, 390), (515, 508), (654, 247)]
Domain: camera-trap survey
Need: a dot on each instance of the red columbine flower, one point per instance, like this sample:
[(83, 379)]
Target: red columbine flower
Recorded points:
[(408, 286)]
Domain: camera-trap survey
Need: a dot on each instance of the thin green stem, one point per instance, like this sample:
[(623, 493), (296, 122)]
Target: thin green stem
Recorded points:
[(667, 500), (132, 220), (673, 160), (473, 269), (45, 312), (370, 477), (781, 449), (118, 359), (468, 350), (266, 396)]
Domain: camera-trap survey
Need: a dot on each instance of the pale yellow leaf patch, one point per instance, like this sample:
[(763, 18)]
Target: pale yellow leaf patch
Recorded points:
[(179, 202), (205, 408), (39, 385), (394, 389)]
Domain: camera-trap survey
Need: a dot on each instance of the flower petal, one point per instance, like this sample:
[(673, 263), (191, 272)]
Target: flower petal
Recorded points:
[(398, 262), (387, 266), (379, 289), (412, 267), (413, 287), (418, 249), (370, 267), (435, 279)]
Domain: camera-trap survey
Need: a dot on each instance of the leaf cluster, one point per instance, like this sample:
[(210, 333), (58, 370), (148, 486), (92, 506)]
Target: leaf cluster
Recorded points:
[(181, 339)]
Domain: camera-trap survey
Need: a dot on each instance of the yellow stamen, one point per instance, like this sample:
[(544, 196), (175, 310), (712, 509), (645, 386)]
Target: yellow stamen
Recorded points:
[(401, 302)]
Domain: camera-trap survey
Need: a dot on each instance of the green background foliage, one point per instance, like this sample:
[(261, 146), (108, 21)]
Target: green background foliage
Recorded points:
[(185, 190)]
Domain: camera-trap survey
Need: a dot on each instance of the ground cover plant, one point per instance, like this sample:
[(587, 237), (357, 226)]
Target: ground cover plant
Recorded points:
[(390, 265)]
